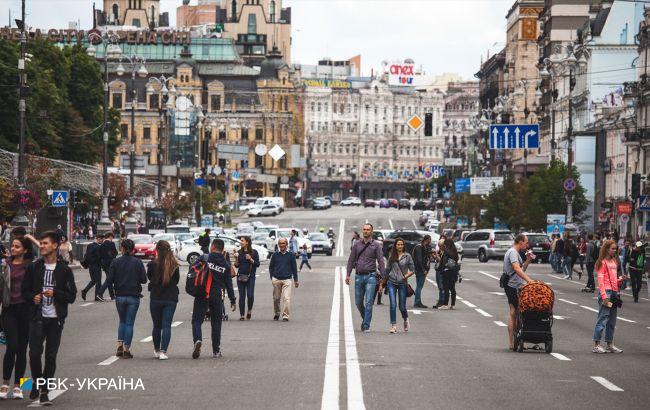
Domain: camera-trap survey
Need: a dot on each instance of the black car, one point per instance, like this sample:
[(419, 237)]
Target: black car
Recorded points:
[(420, 205), (404, 203), (540, 244), (411, 238)]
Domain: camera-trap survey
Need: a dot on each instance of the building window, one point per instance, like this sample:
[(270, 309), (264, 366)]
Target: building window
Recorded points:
[(233, 10), (146, 133), (313, 126), (153, 101), (282, 164), (326, 108), (259, 133), (272, 11), (356, 108), (376, 129), (215, 103), (117, 101), (319, 107), (244, 134), (252, 24), (222, 134), (124, 131), (258, 161), (313, 107)]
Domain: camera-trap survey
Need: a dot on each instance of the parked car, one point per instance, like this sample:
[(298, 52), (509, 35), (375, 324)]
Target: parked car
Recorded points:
[(404, 204), (432, 224), (320, 203), (145, 247), (421, 205), (169, 237), (384, 203), (264, 210), (460, 234), (320, 243), (369, 203), (380, 234), (394, 203), (424, 217), (540, 244), (486, 244), (411, 238), (351, 201)]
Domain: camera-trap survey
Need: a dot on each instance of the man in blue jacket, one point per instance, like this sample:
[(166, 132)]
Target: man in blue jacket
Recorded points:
[(282, 268)]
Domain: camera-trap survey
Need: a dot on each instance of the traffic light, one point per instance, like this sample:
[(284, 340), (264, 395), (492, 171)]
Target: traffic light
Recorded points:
[(428, 124), (636, 185), (420, 168)]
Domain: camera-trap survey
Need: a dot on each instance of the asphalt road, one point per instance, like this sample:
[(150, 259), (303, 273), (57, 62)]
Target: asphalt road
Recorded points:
[(319, 359)]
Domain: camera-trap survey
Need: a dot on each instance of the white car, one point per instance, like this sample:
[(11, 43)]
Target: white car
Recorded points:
[(285, 233), (432, 224), (263, 239), (190, 251), (169, 237), (351, 201), (264, 210)]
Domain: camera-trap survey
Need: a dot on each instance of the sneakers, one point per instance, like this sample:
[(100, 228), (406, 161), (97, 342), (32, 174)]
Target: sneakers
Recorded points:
[(276, 317), (197, 350), (99, 299), (33, 395), (565, 277), (285, 318), (120, 351), (393, 329), (406, 325), (18, 394), (248, 315), (420, 305), (156, 354), (162, 356), (83, 295), (443, 307), (127, 355), (4, 392), (217, 355), (45, 399), (241, 319), (366, 330), (613, 349), (598, 349)]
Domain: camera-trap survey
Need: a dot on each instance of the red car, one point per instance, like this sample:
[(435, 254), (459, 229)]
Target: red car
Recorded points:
[(145, 248), (394, 203)]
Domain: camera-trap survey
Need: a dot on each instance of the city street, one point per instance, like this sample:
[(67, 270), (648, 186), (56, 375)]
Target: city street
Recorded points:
[(449, 359)]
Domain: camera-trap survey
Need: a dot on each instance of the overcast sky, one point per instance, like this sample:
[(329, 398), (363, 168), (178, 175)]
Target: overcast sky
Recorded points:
[(441, 35)]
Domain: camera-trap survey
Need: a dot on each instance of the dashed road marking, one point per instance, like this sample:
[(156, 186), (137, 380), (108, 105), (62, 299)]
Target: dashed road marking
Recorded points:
[(87, 304), (469, 304), (390, 222), (353, 372), (487, 274), (414, 225), (483, 312), (416, 311), (176, 324), (568, 301), (500, 323), (560, 356), (497, 293), (626, 320), (589, 308), (606, 383), (146, 339), (558, 317), (108, 361)]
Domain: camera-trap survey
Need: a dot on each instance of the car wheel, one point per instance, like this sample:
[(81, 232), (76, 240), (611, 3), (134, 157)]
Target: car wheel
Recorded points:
[(192, 258), (275, 213), (482, 256), (329, 253)]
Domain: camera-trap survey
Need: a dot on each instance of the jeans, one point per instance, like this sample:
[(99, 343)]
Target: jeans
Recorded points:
[(15, 323), (198, 315), (441, 287), (552, 260), (246, 291), (449, 278), (606, 321), (590, 275), (105, 286), (127, 309), (365, 287), (635, 278), (303, 263), (400, 290), (95, 280), (44, 331), (567, 266), (162, 313), (419, 285)]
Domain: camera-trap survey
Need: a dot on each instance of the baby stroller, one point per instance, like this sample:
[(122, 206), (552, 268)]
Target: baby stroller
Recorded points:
[(536, 301)]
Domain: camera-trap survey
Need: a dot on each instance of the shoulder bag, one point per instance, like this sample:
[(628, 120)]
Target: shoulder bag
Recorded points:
[(409, 289), (614, 298), (245, 277)]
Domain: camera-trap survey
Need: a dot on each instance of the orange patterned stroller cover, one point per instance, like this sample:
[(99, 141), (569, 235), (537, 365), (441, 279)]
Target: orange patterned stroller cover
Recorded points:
[(536, 297)]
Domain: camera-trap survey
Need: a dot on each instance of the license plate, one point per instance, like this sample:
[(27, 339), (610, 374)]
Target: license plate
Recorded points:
[(537, 249), (139, 254)]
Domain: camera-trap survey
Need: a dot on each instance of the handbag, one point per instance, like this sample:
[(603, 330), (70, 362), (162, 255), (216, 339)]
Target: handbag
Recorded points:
[(614, 298), (409, 290), (245, 277)]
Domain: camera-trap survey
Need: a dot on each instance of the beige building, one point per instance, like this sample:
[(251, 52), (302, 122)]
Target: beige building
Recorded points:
[(136, 13)]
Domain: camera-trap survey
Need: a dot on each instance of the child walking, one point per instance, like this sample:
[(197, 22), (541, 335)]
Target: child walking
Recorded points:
[(304, 258)]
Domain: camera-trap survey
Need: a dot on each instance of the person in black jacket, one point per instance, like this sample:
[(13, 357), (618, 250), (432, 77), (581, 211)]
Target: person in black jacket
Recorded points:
[(126, 274), (163, 277), (422, 265), (108, 252), (93, 262), (221, 281), (48, 288), (204, 241), (247, 261)]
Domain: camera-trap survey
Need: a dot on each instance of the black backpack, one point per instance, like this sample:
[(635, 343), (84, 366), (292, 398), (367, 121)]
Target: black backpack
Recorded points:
[(199, 279)]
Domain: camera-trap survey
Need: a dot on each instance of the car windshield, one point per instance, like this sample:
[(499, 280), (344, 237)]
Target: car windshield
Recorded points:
[(141, 239), (260, 237), (317, 237), (503, 236), (163, 237), (538, 238), (284, 234)]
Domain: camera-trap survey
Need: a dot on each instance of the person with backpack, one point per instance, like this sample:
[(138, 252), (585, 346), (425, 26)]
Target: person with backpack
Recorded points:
[(282, 268), (247, 260), (395, 277), (93, 262), (422, 265), (207, 279), (591, 256), (450, 271), (163, 274), (636, 268)]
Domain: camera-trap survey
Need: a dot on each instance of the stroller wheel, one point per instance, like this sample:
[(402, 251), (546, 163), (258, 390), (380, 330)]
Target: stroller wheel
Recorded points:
[(548, 346), (520, 346)]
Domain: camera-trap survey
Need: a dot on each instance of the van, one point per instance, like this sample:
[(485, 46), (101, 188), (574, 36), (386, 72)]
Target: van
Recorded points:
[(270, 200)]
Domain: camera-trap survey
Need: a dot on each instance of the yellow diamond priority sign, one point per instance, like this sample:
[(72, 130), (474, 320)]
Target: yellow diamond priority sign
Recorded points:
[(415, 122)]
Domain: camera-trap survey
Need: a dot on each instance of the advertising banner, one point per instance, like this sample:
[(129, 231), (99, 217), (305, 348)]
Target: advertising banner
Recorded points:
[(555, 224), (483, 185), (156, 220)]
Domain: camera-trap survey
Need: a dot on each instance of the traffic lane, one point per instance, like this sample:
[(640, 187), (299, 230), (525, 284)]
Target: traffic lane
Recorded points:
[(447, 351)]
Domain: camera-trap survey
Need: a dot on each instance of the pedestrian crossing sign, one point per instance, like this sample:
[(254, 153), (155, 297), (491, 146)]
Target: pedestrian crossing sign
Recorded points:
[(59, 198)]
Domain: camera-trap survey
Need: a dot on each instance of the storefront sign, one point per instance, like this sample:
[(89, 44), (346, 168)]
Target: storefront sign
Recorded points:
[(624, 208), (326, 83), (128, 37)]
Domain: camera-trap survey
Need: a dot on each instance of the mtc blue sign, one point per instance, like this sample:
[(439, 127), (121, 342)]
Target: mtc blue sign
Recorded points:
[(514, 136), (462, 185)]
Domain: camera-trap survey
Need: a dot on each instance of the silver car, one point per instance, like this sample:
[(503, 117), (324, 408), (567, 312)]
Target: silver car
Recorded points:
[(320, 243), (486, 244)]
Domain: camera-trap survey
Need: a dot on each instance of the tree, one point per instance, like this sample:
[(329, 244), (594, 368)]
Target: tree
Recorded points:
[(469, 205), (509, 204)]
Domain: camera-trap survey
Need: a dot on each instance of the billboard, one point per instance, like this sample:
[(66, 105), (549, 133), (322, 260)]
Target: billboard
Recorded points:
[(207, 220), (156, 220), (402, 74), (555, 224), (483, 185)]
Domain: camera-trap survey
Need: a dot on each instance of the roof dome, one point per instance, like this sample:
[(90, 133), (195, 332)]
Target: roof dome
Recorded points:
[(272, 64)]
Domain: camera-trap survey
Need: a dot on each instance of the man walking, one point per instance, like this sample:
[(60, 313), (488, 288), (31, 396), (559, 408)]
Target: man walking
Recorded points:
[(219, 281), (293, 242), (636, 268), (366, 259), (48, 288), (93, 262), (515, 269), (204, 241), (282, 268), (591, 255), (107, 252), (422, 264)]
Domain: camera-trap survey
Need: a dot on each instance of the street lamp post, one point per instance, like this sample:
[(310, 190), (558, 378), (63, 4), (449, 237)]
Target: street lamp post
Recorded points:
[(199, 125), (21, 219), (111, 51), (164, 104)]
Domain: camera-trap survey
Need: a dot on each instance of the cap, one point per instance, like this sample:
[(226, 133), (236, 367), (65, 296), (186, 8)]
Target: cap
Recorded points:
[(639, 244)]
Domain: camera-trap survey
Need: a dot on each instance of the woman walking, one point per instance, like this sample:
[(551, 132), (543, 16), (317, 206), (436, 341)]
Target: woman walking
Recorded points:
[(163, 275), (247, 261), (126, 274), (15, 315), (65, 250), (608, 297), (399, 268), (450, 268)]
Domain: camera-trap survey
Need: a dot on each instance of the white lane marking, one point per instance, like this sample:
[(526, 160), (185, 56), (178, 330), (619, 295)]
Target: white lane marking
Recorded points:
[(568, 301), (560, 356), (625, 320), (606, 383), (176, 324), (497, 293), (416, 311), (330, 400), (434, 282), (108, 361), (339, 245), (87, 304), (483, 312), (589, 308), (390, 222), (469, 304), (558, 317), (52, 395), (355, 388), (487, 274), (414, 225), (146, 339), (500, 323)]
